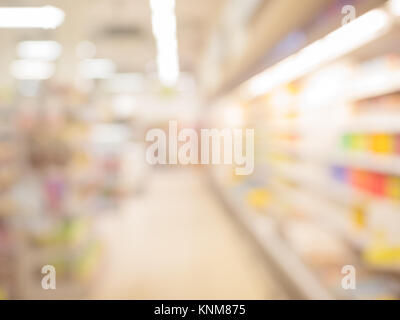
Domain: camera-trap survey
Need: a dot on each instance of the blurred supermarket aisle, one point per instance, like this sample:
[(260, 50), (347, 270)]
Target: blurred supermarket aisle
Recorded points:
[(91, 103), (175, 242)]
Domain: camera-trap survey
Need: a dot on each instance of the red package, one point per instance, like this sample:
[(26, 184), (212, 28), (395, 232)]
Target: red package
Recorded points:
[(377, 184), (357, 178)]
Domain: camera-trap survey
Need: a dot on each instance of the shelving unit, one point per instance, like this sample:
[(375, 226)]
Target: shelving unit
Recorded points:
[(327, 163), (38, 226), (303, 283)]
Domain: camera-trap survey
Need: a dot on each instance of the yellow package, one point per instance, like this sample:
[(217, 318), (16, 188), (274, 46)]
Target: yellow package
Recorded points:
[(393, 188), (382, 144), (258, 198), (358, 217), (381, 254)]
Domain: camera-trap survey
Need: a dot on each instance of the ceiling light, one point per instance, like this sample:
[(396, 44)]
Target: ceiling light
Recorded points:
[(42, 50), (46, 17), (336, 44), (394, 7), (162, 5), (164, 30), (32, 69)]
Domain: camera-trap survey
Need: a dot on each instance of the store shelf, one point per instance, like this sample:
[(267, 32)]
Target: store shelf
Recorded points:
[(381, 86), (312, 179), (265, 232), (388, 164), (374, 163), (327, 159), (331, 216)]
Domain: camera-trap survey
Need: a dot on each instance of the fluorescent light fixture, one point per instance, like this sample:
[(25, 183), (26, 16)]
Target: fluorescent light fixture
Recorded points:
[(162, 5), (125, 83), (164, 30), (97, 68), (336, 44), (46, 17), (42, 50), (394, 7), (32, 69)]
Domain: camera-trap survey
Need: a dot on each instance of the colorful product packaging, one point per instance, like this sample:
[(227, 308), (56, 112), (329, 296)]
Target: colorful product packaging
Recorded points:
[(377, 184), (393, 188), (340, 173), (359, 142), (378, 143), (381, 144), (358, 217), (346, 141), (358, 178), (258, 198)]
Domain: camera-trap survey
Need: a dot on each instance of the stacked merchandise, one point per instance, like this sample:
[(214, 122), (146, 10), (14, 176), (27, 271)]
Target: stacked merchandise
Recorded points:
[(55, 224), (327, 176), (117, 145), (10, 175), (62, 163), (48, 183), (120, 162)]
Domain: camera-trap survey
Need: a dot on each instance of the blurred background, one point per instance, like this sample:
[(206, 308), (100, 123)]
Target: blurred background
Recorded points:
[(81, 83)]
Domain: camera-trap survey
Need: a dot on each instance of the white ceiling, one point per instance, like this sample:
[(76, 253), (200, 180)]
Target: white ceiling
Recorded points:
[(120, 29)]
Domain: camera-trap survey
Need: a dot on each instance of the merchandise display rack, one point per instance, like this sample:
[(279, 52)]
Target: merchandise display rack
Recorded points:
[(302, 283), (325, 192), (65, 160)]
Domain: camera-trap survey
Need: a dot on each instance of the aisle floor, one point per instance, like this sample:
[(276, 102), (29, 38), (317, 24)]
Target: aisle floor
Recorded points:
[(177, 241)]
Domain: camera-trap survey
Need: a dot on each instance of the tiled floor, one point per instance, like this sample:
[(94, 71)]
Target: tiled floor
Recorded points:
[(176, 241)]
